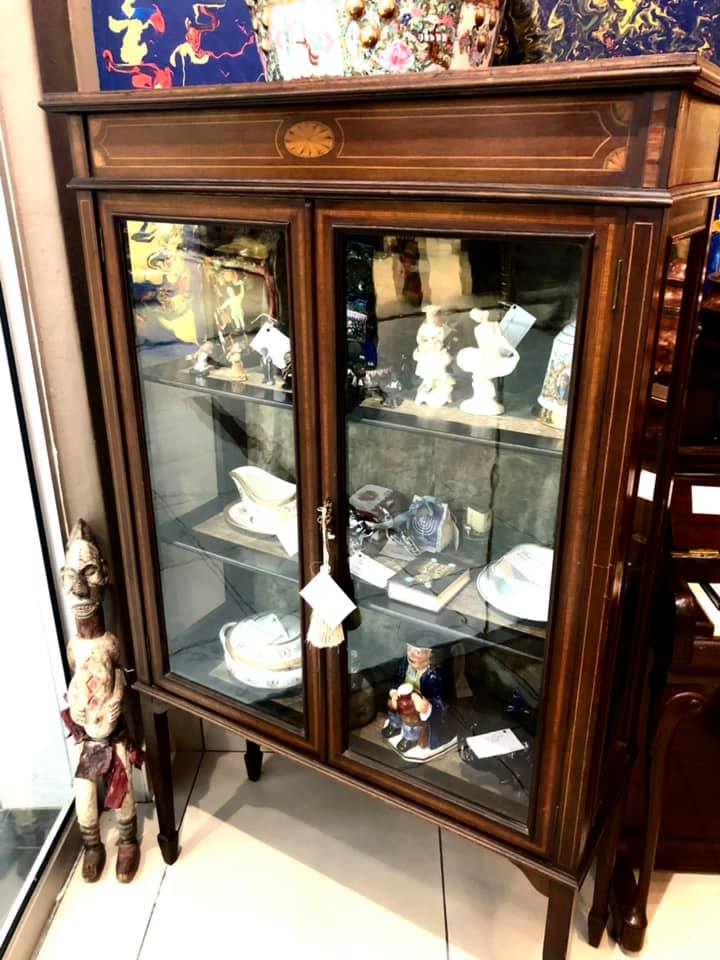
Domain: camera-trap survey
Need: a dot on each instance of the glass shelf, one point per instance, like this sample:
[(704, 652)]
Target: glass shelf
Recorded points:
[(215, 294), (179, 373), (205, 530), (456, 404)]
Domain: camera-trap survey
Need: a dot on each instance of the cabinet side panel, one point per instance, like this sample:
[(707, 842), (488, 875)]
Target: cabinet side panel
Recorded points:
[(695, 157), (628, 371)]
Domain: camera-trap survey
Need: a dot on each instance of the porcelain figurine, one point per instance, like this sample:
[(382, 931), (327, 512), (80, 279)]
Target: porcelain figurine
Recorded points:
[(418, 726), (94, 714), (287, 373), (555, 391), (432, 360), (203, 362), (267, 366), (492, 358)]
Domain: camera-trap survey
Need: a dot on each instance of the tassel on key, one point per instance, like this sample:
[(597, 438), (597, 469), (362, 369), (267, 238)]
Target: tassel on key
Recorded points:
[(320, 632)]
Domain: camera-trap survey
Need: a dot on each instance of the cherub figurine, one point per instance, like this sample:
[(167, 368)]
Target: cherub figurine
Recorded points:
[(418, 725), (94, 714), (493, 357), (432, 360)]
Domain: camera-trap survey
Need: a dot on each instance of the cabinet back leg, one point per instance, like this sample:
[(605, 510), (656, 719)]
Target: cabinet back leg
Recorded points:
[(606, 856), (559, 921), (253, 760), (157, 751)]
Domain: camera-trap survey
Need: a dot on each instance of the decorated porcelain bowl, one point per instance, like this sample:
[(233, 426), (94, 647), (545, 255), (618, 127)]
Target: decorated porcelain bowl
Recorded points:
[(264, 651), (518, 584)]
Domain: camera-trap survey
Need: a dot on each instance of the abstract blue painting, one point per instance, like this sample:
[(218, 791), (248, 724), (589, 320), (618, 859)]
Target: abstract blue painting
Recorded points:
[(174, 43)]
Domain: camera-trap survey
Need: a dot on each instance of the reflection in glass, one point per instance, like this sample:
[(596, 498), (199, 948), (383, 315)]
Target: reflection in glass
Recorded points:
[(459, 375), (213, 346)]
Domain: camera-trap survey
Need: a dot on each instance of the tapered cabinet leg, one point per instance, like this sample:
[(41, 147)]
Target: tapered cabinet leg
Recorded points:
[(607, 854), (157, 749), (253, 760), (559, 922)]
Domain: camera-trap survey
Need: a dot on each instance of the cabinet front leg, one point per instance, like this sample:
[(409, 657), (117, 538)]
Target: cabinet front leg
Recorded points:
[(157, 749), (559, 922), (253, 760)]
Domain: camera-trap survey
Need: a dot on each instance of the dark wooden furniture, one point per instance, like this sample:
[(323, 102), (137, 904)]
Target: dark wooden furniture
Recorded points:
[(671, 820), (567, 188)]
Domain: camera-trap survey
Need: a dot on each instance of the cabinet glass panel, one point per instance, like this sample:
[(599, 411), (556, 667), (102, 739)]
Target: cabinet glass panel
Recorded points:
[(213, 351), (459, 372)]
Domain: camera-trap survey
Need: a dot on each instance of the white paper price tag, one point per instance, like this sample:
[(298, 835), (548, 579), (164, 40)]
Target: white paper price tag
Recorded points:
[(370, 570), (287, 534), (515, 324), (327, 599), (494, 744), (274, 341)]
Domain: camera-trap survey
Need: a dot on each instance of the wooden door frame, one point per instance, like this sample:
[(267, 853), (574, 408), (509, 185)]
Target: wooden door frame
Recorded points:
[(293, 217), (585, 566)]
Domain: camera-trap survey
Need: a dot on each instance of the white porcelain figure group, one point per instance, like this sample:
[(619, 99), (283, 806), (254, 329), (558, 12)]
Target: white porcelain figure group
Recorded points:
[(493, 357)]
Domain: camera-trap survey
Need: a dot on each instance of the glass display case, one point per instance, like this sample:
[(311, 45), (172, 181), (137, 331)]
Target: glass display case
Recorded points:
[(455, 412), (452, 326), (214, 363)]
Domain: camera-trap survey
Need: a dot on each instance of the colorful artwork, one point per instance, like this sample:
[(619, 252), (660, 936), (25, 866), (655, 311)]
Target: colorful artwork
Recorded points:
[(589, 29), (171, 43), (174, 43)]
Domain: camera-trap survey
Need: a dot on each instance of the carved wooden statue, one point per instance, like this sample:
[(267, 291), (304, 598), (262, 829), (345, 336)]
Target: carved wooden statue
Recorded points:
[(94, 714)]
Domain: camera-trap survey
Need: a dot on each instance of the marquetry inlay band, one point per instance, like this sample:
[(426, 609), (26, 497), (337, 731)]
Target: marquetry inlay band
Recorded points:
[(309, 139)]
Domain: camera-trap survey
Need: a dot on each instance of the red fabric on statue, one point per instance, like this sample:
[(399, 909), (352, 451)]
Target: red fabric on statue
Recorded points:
[(117, 783)]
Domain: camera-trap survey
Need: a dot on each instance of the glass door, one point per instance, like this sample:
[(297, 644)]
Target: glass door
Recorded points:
[(214, 331), (458, 356)]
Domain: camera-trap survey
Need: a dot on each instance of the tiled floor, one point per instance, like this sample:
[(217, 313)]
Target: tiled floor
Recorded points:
[(300, 866)]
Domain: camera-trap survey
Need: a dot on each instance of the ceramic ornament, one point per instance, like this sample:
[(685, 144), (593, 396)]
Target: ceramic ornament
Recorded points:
[(493, 357), (432, 360), (418, 726)]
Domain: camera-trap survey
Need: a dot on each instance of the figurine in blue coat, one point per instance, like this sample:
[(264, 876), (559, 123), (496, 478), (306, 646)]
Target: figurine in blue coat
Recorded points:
[(426, 731)]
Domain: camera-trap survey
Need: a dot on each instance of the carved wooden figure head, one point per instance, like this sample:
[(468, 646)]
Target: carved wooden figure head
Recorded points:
[(84, 575)]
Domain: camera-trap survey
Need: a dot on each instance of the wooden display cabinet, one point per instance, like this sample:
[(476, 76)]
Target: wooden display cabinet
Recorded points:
[(344, 208)]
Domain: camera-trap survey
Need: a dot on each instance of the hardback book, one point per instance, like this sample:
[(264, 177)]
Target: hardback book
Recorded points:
[(430, 581)]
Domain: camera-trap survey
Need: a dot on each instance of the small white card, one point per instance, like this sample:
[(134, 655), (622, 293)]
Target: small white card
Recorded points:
[(705, 500), (327, 599), (287, 534), (274, 341), (494, 744), (370, 570), (515, 324)]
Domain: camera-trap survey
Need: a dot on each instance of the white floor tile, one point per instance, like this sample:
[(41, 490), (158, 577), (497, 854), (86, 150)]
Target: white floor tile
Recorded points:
[(298, 865), (494, 913), (109, 919)]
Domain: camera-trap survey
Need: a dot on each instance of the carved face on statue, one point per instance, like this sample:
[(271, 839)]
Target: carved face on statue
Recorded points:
[(84, 575)]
